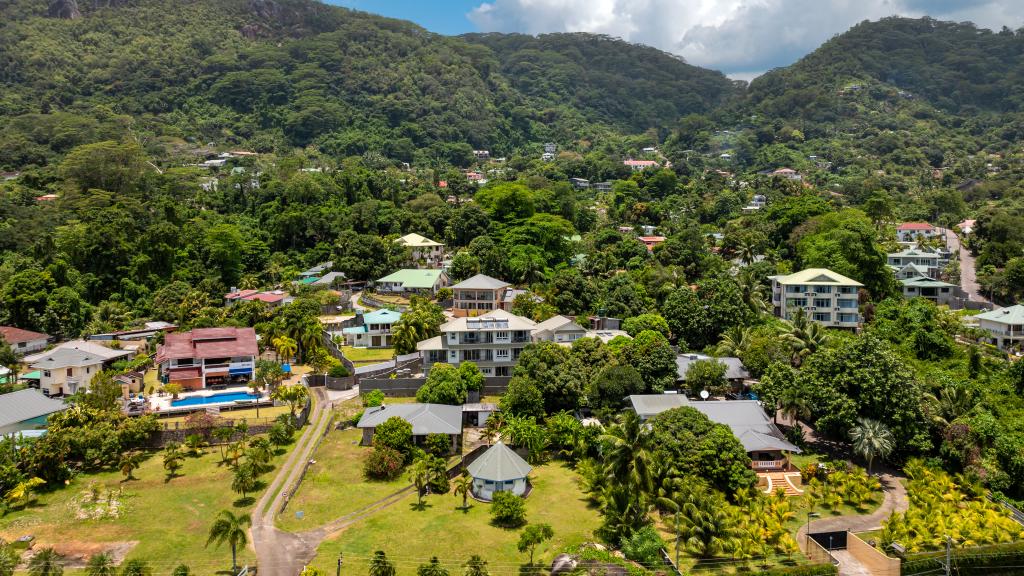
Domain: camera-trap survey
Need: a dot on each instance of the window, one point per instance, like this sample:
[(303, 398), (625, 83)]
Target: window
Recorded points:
[(502, 355), (46, 373), (847, 303), (848, 318), (796, 302), (945, 290), (823, 289), (822, 316), (822, 302), (502, 335), (794, 289), (847, 289), (22, 344)]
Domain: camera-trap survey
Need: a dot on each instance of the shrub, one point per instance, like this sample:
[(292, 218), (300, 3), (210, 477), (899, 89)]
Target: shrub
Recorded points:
[(339, 371), (644, 546), (280, 434), (508, 510), (383, 463), (438, 444), (373, 398), (395, 433)]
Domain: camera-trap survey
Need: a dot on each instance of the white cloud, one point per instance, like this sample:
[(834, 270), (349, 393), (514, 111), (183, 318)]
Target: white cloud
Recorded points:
[(739, 37)]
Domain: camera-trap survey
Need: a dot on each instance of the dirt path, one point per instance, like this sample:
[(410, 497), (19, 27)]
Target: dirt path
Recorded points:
[(281, 553)]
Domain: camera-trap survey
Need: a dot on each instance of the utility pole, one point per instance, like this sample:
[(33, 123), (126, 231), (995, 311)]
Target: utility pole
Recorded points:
[(678, 538), (949, 563), (338, 572)]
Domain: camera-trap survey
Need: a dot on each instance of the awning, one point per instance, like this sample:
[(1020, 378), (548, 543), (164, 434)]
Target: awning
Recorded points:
[(186, 374)]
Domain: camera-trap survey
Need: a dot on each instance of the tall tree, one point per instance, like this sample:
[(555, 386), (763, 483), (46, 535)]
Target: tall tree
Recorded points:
[(229, 528)]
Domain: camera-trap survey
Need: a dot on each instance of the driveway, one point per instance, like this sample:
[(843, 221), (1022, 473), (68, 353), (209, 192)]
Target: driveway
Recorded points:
[(968, 273)]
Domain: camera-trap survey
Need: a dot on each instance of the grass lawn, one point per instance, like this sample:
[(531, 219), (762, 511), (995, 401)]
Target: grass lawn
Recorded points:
[(360, 356), (410, 536), (246, 414), (150, 381), (164, 523), (335, 486)]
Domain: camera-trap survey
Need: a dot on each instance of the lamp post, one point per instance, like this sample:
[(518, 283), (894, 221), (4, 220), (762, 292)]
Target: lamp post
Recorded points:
[(807, 530)]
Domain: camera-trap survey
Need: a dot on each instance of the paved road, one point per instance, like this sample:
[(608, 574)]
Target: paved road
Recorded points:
[(355, 302), (968, 273), (281, 553)]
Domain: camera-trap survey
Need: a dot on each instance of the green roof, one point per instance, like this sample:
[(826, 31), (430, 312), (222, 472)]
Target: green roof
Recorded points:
[(1010, 315), (816, 276), (309, 280), (411, 278)]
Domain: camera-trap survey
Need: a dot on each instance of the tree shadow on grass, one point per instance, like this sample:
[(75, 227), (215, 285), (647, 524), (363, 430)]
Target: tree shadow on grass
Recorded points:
[(242, 502), (420, 506), (464, 509)]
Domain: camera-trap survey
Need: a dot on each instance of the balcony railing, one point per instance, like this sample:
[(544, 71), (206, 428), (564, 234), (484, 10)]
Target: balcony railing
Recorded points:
[(768, 464)]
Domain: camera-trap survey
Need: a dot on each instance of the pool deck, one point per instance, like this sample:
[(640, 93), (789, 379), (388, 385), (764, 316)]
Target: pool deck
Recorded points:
[(162, 404)]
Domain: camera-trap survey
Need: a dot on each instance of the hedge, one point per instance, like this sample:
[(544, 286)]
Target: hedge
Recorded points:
[(978, 560)]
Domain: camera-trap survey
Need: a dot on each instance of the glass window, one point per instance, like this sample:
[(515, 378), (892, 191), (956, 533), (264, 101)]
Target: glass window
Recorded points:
[(847, 303), (823, 289), (822, 302), (822, 316), (848, 318)]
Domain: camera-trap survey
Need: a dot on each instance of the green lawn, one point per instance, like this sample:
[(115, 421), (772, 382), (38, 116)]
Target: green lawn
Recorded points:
[(236, 415), (335, 486), (410, 537), (360, 356), (163, 523)]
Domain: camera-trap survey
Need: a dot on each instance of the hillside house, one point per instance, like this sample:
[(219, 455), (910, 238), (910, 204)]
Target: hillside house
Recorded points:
[(926, 261), (827, 297), (640, 165), (559, 329), (913, 231), (371, 329), (412, 281), (788, 174), (426, 419), (24, 341), (423, 250), (493, 341), (735, 371), (208, 357), (1005, 326), (939, 292), (480, 294), (272, 298)]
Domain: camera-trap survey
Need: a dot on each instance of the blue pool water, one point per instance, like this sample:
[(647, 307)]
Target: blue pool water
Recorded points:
[(214, 399)]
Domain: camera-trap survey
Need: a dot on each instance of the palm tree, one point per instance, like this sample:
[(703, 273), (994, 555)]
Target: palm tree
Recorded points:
[(734, 341), (243, 480), (8, 560), (223, 434), (746, 251), (794, 404), (463, 486), (954, 400), (872, 439), (753, 291), (628, 458), (285, 346), (432, 568), (475, 566), (291, 395), (129, 463), (46, 563), (101, 564), (231, 529), (380, 565), (420, 475), (173, 459), (804, 335)]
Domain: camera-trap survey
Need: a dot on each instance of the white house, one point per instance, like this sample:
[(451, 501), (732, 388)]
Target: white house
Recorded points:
[(412, 280), (493, 341), (67, 371), (423, 249), (921, 259), (23, 341), (939, 292), (911, 231), (372, 329), (499, 469), (828, 298), (559, 329), (1005, 326)]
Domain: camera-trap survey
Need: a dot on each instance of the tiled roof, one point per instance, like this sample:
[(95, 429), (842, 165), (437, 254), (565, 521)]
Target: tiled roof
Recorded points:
[(14, 335), (915, 226), (208, 343)]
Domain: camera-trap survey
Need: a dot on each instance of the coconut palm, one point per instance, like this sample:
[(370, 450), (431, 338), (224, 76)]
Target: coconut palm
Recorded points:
[(420, 475), (129, 463), (795, 404), (753, 291), (746, 251), (628, 457), (291, 395), (953, 401), (734, 341), (475, 566), (380, 565), (231, 529), (872, 439), (173, 459), (285, 346), (463, 485), (101, 564), (804, 335), (46, 563)]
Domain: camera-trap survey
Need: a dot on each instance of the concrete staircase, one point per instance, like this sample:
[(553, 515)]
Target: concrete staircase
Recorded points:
[(778, 479)]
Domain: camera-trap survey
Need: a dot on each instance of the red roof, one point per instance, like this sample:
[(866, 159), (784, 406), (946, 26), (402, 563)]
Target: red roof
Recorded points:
[(240, 294), (916, 226), (14, 335), (208, 343), (269, 297)]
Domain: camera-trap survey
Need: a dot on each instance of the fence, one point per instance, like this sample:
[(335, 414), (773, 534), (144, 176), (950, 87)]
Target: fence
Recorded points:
[(179, 430), (994, 560), (405, 361)]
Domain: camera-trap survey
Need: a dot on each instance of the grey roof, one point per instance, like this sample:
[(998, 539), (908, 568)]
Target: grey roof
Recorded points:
[(318, 269), (93, 348), (425, 418), (647, 405), (66, 357), (1009, 315), (745, 418), (734, 368), (481, 282), (329, 278), (25, 405), (499, 463)]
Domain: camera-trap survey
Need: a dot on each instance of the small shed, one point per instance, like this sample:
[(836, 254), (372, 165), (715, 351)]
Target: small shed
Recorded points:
[(499, 469)]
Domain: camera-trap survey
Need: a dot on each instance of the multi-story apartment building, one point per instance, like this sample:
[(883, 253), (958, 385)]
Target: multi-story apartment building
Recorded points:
[(827, 297), (493, 341), (1005, 326), (208, 357), (478, 295), (423, 250)]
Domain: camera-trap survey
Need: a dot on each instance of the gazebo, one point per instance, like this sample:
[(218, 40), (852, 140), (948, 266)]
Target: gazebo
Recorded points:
[(499, 469)]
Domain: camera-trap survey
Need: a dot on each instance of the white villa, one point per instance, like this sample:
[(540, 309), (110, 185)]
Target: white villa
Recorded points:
[(372, 329), (493, 341), (1005, 326), (423, 249), (828, 298)]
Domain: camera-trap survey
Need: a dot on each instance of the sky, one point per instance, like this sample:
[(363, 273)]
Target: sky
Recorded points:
[(742, 38)]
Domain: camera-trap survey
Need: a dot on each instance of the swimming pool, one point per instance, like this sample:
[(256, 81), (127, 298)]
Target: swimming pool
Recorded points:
[(214, 399)]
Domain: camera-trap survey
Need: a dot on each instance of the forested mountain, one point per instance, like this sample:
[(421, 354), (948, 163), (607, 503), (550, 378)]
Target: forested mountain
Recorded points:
[(280, 73)]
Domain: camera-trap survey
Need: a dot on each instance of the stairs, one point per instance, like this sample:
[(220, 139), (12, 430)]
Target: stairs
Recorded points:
[(778, 479)]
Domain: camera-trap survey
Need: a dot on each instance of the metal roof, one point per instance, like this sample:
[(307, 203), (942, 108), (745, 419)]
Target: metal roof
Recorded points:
[(822, 276), (1009, 315), (26, 404), (65, 358), (425, 418), (647, 405), (734, 368), (93, 348), (414, 278), (499, 463), (480, 282)]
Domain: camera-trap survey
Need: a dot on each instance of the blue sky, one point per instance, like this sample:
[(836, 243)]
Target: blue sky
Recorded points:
[(742, 38)]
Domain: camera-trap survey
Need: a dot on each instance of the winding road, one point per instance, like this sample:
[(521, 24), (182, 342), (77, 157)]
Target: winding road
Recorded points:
[(968, 272)]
